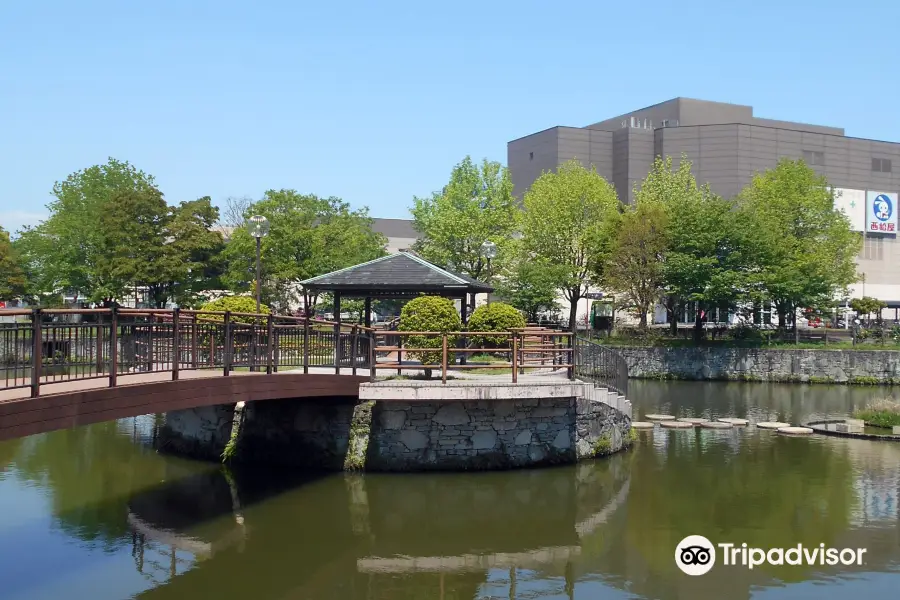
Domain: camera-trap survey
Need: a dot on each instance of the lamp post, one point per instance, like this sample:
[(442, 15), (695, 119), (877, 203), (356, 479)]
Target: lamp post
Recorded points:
[(258, 226), (489, 251)]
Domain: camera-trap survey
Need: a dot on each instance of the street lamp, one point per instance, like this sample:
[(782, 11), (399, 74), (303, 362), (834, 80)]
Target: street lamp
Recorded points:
[(258, 226), (489, 251)]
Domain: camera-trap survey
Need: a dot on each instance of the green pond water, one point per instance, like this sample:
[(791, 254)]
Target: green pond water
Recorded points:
[(95, 513)]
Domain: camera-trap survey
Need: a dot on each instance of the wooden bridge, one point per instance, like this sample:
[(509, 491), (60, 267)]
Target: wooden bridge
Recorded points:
[(64, 368)]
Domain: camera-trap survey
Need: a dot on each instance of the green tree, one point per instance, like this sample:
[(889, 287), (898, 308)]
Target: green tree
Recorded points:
[(12, 276), (476, 205), (567, 223), (62, 252), (498, 317), (531, 287), (867, 305), (804, 250), (634, 270), (429, 314), (308, 236)]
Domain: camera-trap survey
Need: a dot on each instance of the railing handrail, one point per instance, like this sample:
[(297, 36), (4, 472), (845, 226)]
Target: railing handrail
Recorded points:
[(601, 364)]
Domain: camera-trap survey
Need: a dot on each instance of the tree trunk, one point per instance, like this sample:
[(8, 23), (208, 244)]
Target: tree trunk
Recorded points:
[(671, 305), (643, 320), (573, 313), (698, 323)]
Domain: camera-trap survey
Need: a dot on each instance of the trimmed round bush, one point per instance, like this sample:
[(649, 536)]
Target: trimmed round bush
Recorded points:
[(498, 317), (429, 313), (240, 304)]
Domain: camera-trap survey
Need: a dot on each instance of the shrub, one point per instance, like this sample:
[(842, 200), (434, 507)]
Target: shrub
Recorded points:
[(429, 313), (494, 317), (239, 304), (880, 413)]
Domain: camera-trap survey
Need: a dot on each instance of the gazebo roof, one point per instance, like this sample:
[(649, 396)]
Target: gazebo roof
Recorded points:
[(396, 275)]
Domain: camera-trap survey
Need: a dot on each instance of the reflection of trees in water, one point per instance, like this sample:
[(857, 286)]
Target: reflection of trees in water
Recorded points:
[(766, 490), (759, 401), (90, 472)]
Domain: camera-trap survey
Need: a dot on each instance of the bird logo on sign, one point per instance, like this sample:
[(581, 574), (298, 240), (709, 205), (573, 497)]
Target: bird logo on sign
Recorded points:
[(882, 207)]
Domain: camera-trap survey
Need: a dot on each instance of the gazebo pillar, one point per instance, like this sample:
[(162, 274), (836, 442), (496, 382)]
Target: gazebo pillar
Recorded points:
[(464, 317), (337, 333), (367, 319)]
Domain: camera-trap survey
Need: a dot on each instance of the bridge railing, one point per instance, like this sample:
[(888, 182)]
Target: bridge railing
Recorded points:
[(601, 365), (56, 345), (484, 352)]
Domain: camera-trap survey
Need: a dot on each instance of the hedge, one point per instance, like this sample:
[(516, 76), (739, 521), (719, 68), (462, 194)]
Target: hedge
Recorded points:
[(497, 316), (429, 313)]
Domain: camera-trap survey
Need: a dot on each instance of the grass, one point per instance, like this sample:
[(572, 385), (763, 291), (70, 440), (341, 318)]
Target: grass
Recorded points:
[(884, 412)]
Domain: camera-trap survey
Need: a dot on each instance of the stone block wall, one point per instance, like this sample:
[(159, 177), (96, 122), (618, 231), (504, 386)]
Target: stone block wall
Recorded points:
[(388, 435), (197, 432), (759, 364), (495, 434)]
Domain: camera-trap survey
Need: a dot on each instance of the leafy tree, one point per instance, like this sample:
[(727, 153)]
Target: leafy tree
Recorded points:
[(235, 304), (12, 276), (131, 233), (567, 222), (477, 205), (867, 306), (62, 252), (308, 236), (635, 265), (804, 250), (497, 316), (235, 212), (705, 262), (429, 314), (531, 287)]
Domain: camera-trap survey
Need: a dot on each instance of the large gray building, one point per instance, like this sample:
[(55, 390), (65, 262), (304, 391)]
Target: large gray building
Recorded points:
[(727, 144)]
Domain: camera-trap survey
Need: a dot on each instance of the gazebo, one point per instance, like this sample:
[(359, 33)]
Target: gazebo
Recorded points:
[(403, 275)]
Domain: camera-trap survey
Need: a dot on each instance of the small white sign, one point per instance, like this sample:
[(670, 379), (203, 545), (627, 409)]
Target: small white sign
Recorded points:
[(853, 204)]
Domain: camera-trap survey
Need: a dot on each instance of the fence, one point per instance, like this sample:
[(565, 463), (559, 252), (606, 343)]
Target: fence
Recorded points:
[(53, 346), (601, 365), (57, 345)]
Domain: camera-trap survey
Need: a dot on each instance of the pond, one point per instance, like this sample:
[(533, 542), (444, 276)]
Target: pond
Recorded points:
[(96, 513)]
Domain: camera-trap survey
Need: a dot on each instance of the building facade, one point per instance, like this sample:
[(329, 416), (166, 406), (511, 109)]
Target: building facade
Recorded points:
[(727, 144)]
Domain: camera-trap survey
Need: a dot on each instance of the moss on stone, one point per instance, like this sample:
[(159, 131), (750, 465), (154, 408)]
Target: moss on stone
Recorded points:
[(821, 379), (864, 380), (603, 446), (360, 427)]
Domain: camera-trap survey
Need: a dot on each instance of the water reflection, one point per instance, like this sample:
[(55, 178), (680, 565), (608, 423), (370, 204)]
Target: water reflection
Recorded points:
[(171, 529)]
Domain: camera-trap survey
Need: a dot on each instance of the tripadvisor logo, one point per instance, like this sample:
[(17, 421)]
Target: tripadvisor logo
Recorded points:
[(696, 555)]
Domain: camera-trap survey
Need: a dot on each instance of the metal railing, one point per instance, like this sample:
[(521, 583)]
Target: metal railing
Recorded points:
[(517, 352), (601, 365), (59, 345), (56, 345)]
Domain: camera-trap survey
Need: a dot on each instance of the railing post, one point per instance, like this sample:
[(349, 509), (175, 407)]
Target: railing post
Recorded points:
[(372, 357), (337, 347), (113, 345), (194, 349), (515, 358), (99, 343), (306, 343), (36, 351), (150, 344), (270, 330), (444, 358), (570, 356), (226, 345), (176, 343), (354, 341)]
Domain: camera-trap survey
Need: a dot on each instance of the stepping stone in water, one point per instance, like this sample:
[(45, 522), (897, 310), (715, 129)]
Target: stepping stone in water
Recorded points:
[(716, 425), (642, 425), (659, 417), (676, 425), (772, 425), (734, 421), (795, 430), (694, 420)]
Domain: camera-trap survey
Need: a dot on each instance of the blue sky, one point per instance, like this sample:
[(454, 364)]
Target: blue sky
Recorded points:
[(375, 102)]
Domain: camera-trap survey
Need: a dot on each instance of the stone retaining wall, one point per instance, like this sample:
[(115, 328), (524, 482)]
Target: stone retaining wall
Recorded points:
[(558, 423), (757, 364)]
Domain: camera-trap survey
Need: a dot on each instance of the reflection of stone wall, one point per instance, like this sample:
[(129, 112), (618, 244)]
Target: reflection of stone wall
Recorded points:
[(839, 366), (491, 434)]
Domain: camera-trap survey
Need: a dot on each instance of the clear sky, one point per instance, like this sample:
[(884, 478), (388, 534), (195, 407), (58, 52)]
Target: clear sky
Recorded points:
[(375, 102)]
